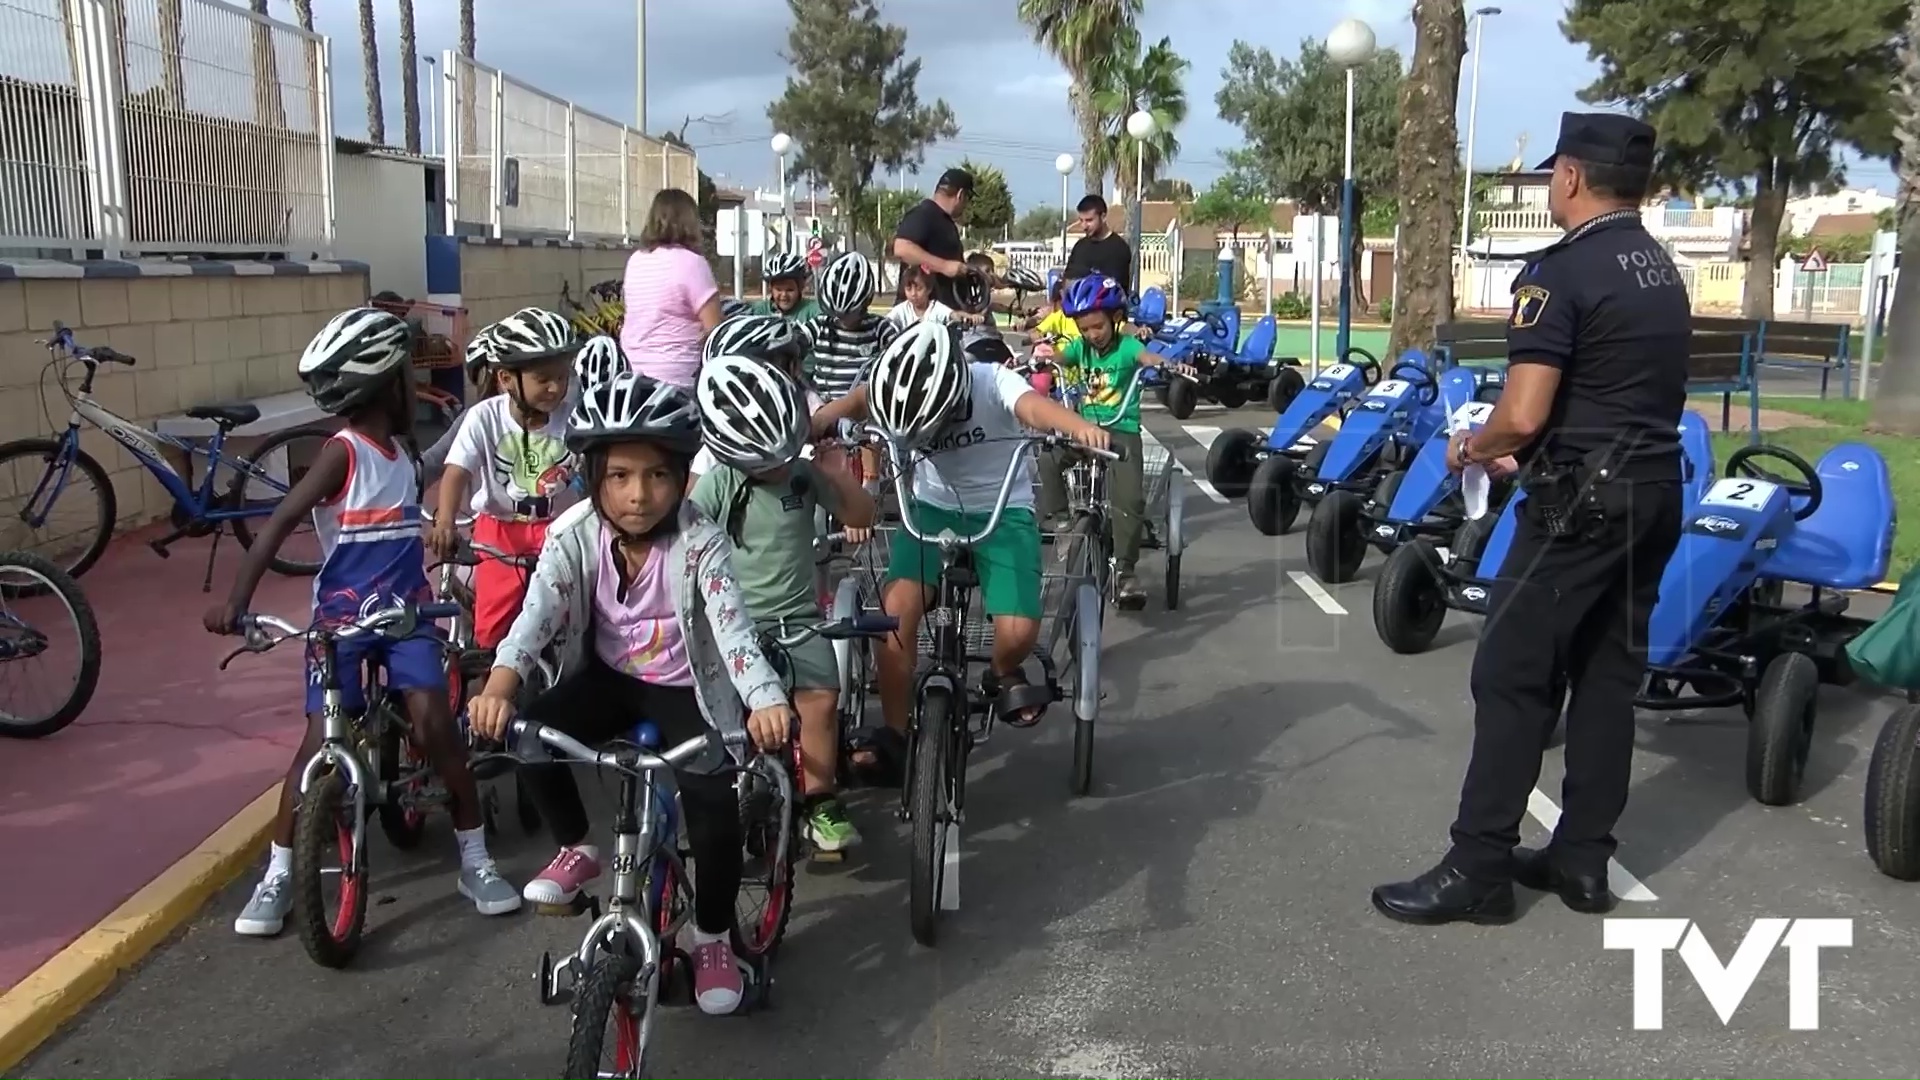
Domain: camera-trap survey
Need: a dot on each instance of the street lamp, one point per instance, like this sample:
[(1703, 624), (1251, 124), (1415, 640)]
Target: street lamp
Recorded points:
[(1064, 166), (1349, 45), (1473, 114), (1140, 125), (783, 142)]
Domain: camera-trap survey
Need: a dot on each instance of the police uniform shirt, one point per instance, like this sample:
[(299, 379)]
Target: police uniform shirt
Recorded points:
[(1606, 306)]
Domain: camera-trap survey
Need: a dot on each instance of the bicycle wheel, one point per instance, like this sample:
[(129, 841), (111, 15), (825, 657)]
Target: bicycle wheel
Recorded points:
[(759, 926), (403, 823), (606, 998), (293, 462), (37, 604), (324, 826), (75, 539), (928, 803)]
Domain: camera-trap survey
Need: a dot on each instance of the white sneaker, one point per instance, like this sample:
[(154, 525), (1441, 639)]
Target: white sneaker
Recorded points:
[(266, 912)]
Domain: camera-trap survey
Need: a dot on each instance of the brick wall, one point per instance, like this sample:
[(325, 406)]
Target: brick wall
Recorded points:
[(497, 280), (198, 340)]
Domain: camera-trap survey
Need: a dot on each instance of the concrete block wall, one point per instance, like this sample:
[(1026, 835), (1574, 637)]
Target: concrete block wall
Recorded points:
[(498, 278), (199, 338)]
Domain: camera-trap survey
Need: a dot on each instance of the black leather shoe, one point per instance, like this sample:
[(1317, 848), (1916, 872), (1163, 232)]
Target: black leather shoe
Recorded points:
[(1587, 894), (1443, 895)]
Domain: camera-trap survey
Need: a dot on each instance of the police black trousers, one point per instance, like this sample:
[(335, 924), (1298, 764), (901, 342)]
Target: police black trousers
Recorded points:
[(1566, 614)]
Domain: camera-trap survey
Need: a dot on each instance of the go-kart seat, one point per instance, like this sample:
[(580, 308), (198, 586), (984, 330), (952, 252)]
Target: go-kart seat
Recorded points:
[(1848, 541), (1696, 456), (1258, 347)]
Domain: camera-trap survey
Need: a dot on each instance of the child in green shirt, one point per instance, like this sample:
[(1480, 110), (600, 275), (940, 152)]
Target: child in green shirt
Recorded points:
[(1107, 362), (786, 279)]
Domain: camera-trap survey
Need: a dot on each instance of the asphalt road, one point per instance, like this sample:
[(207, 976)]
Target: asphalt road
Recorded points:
[(1263, 762)]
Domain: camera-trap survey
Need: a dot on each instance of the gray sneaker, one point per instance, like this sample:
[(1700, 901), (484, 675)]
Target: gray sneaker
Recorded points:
[(491, 893), (266, 912)]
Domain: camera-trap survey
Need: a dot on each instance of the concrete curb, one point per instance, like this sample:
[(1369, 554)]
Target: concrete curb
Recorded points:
[(54, 993)]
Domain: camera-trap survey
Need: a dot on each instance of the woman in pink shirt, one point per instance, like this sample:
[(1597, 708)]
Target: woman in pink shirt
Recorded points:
[(671, 298)]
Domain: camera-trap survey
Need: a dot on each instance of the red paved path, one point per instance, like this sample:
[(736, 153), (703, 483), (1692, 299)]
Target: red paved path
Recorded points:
[(169, 749)]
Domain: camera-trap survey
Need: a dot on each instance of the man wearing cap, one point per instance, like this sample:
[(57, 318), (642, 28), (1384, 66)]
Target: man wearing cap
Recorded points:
[(929, 236), (1597, 346)]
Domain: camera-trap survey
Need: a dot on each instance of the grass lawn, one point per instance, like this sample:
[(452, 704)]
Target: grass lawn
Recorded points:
[(1847, 420)]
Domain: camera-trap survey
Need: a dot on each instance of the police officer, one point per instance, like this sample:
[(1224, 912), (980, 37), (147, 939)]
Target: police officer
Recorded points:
[(1597, 347)]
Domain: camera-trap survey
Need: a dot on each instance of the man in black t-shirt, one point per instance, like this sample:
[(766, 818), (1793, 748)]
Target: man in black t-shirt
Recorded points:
[(928, 235), (1101, 250)]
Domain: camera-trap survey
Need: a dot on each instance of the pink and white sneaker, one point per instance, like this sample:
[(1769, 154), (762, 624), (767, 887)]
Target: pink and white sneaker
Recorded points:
[(561, 881), (717, 985)]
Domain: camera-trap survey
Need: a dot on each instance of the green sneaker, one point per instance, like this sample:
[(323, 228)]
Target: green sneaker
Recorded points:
[(828, 829)]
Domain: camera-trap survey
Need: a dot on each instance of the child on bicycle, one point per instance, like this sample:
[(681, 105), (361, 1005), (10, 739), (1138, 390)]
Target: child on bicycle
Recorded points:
[(916, 284), (965, 422), (635, 593), (1105, 362), (362, 493), (512, 449), (786, 278), (846, 337), (765, 498)]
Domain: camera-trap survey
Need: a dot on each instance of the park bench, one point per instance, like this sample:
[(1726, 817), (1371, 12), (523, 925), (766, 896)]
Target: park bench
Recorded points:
[(1784, 343)]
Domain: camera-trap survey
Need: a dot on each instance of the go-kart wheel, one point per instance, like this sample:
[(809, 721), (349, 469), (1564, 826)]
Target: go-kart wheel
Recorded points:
[(1383, 492), (1182, 396), (1335, 543), (1893, 796), (1409, 600), (1230, 394), (1230, 463), (1808, 487), (1272, 503), (1160, 391), (1469, 540), (1364, 360), (1780, 729), (1285, 386)]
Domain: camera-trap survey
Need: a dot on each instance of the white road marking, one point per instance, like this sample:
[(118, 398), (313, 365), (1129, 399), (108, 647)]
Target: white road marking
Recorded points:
[(1202, 434), (1321, 598), (1200, 482), (1624, 885)]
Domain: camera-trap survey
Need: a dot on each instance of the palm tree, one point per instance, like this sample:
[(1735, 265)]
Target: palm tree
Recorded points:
[(1427, 156), (370, 61), (173, 76), (1896, 407), (1082, 34), (303, 14), (1127, 82), (465, 85), (409, 78), (269, 110)]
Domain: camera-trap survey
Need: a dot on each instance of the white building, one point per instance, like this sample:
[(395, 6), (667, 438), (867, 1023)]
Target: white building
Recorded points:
[(1802, 213)]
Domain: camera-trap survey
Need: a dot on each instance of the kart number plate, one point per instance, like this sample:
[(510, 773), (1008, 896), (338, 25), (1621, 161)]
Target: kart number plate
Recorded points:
[(1337, 372), (1746, 494), (1473, 412), (1392, 388)]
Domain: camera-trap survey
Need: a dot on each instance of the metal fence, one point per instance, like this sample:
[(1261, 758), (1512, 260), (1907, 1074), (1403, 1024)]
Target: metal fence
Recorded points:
[(521, 162), (151, 126)]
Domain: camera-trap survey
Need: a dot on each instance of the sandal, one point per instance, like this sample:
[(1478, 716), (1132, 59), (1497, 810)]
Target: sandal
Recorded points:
[(1019, 703), (877, 757)]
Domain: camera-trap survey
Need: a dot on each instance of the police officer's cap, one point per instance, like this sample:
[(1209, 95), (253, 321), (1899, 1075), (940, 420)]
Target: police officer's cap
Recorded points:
[(1603, 139)]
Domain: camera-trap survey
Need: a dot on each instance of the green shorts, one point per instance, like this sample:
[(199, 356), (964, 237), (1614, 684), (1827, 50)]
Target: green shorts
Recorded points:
[(1008, 561), (810, 665)]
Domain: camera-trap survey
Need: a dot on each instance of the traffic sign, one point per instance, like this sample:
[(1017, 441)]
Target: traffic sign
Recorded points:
[(815, 253), (1815, 264)]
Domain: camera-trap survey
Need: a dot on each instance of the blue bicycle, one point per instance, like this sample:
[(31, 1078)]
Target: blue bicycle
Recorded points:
[(37, 472)]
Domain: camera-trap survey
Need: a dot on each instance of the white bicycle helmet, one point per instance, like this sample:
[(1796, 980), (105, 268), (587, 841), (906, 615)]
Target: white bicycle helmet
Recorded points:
[(779, 266), (1022, 279), (769, 337), (733, 307), (631, 407), (848, 283), (354, 357), (751, 414), (531, 335), (919, 383), (480, 350), (599, 360)]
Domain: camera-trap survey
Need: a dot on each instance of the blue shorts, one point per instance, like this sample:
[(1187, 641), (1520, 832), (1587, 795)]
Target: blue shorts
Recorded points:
[(413, 663)]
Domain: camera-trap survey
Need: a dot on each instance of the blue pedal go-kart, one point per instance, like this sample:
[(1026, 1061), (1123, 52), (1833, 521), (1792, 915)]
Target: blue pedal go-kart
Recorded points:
[(1367, 464), (1722, 633), (1237, 456)]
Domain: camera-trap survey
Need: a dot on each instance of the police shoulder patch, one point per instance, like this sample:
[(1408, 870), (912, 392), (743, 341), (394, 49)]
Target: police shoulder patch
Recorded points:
[(1529, 301)]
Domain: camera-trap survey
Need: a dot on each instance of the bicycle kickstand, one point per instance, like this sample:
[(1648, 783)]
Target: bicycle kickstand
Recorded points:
[(206, 585)]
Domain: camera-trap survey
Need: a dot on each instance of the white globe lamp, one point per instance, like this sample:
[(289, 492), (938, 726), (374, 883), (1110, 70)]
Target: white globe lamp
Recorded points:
[(1140, 124), (782, 143), (1350, 43), (1063, 164)]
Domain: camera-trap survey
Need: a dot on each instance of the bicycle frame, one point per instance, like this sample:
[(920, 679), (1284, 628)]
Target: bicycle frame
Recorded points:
[(145, 445)]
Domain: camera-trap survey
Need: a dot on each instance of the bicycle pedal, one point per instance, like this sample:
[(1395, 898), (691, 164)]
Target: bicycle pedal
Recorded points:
[(820, 856)]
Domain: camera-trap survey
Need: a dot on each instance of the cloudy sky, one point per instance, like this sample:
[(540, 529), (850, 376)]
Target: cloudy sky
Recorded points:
[(720, 59)]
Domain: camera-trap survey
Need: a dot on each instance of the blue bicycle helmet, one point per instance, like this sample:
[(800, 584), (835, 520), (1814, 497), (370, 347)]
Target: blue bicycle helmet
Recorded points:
[(1090, 294)]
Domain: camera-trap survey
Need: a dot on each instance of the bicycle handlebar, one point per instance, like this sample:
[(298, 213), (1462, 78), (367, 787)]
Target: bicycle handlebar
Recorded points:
[(63, 338), (947, 541), (788, 636), (534, 742), (259, 630)]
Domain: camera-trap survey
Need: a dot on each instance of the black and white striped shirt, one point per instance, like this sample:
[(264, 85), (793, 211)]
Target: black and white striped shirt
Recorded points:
[(842, 356)]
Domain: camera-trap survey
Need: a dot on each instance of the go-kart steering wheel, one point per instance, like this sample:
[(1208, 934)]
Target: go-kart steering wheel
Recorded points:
[(1808, 487), (1369, 367), (1217, 327), (1426, 390)]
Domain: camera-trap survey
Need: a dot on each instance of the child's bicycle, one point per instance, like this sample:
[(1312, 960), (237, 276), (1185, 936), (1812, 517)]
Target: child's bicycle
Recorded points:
[(38, 603), (364, 762), (601, 314)]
